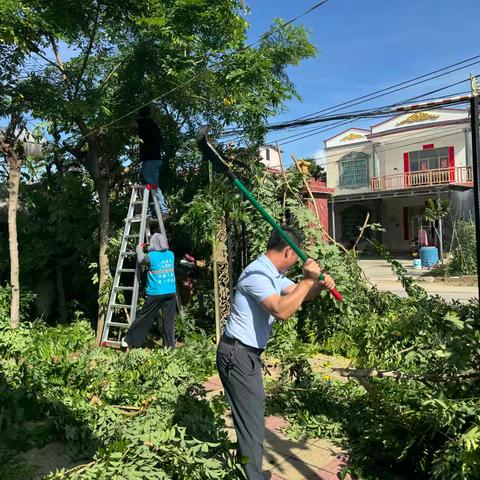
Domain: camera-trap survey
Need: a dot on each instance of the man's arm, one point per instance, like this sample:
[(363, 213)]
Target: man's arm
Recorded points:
[(283, 307), (141, 257), (319, 286)]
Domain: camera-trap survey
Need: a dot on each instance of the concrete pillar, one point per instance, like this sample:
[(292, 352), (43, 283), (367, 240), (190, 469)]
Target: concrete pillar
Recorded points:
[(468, 146), (377, 212), (375, 161), (333, 222)]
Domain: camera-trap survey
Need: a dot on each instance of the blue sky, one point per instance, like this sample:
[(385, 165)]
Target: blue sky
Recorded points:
[(368, 45)]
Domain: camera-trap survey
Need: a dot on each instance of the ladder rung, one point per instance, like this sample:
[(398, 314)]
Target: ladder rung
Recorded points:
[(121, 287), (127, 270), (120, 305), (118, 324), (127, 253), (137, 203), (133, 235)]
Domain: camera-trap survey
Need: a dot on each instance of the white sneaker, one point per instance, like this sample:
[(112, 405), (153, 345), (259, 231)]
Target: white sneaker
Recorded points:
[(123, 343)]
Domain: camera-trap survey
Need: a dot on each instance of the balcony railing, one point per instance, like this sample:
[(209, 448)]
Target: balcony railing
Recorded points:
[(422, 178)]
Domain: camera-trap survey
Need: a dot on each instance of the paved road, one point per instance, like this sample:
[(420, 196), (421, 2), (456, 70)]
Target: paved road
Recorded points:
[(448, 292), (380, 274)]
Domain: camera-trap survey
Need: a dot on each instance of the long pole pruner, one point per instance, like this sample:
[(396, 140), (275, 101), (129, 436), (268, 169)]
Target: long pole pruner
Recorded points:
[(212, 155)]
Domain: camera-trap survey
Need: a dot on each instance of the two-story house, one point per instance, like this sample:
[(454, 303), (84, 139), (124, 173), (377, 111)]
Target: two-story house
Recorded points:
[(393, 168)]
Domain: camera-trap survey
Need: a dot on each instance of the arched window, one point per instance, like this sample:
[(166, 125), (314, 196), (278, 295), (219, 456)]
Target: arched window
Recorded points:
[(354, 170)]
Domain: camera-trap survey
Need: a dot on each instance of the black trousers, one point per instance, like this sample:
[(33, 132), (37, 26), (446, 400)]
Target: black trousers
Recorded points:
[(146, 316), (241, 376)]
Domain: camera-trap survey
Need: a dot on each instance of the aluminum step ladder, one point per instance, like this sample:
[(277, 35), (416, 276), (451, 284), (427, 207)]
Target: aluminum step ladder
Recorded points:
[(122, 306)]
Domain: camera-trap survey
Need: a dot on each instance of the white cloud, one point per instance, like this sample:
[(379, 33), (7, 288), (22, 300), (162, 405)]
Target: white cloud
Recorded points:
[(320, 157)]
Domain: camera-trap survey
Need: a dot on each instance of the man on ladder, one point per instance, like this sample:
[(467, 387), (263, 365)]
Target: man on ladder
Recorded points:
[(121, 311), (151, 156)]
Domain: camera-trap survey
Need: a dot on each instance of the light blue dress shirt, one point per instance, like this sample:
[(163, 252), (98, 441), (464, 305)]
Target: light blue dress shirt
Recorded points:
[(249, 321)]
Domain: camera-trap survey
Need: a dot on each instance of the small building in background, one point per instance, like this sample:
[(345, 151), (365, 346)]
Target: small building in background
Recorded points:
[(33, 147), (270, 156)]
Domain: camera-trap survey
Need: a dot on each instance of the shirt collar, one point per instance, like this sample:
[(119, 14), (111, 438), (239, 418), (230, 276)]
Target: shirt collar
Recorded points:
[(268, 263)]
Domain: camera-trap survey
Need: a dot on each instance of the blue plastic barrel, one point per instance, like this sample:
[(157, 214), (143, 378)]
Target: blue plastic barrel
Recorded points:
[(429, 256)]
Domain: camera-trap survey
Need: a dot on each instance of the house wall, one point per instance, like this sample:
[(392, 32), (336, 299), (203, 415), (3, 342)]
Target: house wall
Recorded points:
[(392, 214), (274, 155), (398, 235), (391, 151), (339, 209), (333, 158), (388, 145)]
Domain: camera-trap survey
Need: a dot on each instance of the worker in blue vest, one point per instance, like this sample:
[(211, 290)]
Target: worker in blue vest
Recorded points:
[(160, 292)]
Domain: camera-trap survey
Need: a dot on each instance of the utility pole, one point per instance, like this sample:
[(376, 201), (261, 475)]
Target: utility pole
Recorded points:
[(474, 112)]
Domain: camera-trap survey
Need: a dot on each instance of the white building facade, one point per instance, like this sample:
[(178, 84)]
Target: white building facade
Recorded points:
[(270, 157), (392, 169)]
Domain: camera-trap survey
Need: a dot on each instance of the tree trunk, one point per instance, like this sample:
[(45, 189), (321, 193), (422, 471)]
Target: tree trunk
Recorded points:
[(103, 264), (100, 180), (62, 308), (13, 188)]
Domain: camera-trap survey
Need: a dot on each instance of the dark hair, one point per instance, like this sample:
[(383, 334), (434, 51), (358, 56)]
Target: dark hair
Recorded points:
[(276, 242)]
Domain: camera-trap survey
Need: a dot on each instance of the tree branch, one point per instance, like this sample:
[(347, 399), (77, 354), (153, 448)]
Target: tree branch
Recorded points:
[(364, 226), (307, 186), (364, 373), (88, 51), (59, 59), (36, 51), (115, 68)]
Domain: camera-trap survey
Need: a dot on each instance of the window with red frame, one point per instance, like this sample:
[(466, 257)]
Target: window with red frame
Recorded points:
[(431, 159)]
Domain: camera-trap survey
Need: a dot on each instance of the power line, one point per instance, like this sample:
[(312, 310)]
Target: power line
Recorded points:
[(385, 112), (317, 130), (367, 97), (283, 25), (388, 90)]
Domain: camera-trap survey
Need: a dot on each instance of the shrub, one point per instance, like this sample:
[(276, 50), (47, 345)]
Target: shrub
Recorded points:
[(464, 261)]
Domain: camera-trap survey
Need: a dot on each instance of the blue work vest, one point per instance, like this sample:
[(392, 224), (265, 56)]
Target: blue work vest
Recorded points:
[(161, 276)]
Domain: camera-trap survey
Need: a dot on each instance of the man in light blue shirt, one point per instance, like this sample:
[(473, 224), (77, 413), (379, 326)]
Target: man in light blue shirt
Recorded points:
[(249, 320), (263, 294)]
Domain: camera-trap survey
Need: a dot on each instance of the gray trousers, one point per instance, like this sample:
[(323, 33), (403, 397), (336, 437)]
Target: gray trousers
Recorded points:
[(241, 376), (138, 330)]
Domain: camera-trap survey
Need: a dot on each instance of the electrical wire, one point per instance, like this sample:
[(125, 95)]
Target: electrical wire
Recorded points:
[(317, 130), (350, 103), (421, 97), (385, 91), (321, 130)]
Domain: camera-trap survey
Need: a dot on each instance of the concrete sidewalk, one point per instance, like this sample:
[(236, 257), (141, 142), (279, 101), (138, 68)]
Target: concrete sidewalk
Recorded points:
[(286, 459), (379, 272)]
